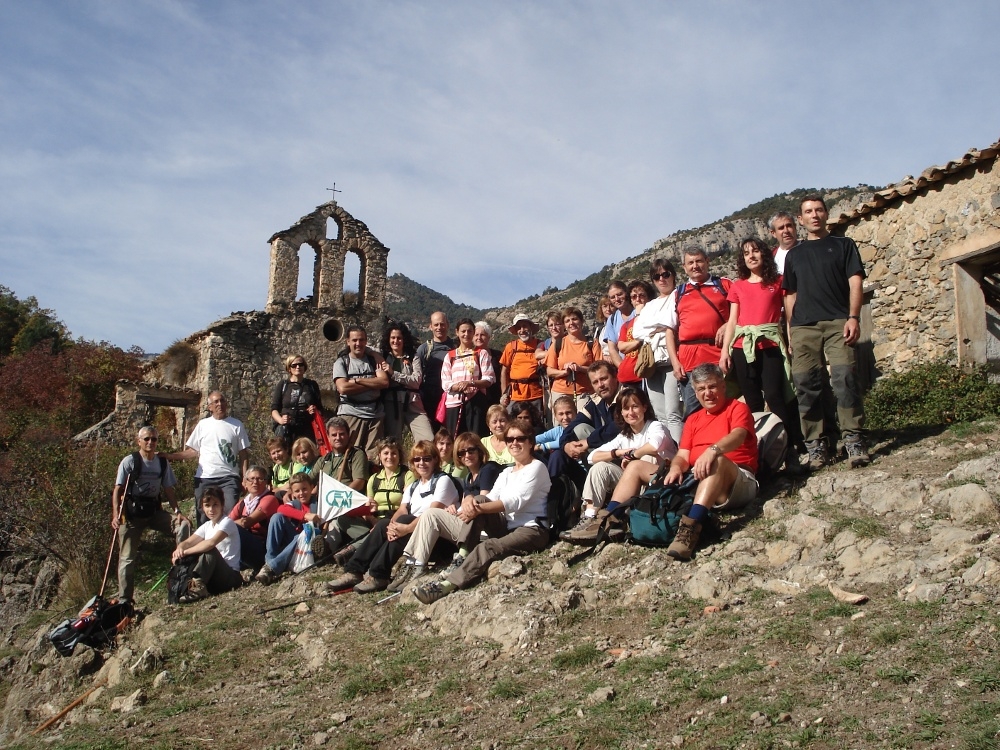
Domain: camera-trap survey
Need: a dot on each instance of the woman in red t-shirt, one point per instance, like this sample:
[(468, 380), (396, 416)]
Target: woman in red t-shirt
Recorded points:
[(754, 345)]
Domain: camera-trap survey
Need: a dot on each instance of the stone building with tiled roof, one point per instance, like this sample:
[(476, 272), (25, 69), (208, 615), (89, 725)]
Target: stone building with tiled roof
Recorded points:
[(931, 247)]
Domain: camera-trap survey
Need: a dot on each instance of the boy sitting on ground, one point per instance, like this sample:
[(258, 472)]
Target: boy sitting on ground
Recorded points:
[(563, 413), (216, 544)]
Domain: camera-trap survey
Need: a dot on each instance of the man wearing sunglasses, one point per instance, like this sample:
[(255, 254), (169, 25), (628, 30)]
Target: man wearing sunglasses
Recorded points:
[(136, 506)]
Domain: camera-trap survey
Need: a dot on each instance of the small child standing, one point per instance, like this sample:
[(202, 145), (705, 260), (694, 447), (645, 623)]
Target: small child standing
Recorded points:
[(216, 544)]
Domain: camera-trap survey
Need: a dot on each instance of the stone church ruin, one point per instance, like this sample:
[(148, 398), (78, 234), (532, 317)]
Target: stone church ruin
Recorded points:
[(242, 355)]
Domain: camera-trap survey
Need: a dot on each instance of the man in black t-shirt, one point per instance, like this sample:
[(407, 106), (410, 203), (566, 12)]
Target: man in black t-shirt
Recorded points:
[(823, 285)]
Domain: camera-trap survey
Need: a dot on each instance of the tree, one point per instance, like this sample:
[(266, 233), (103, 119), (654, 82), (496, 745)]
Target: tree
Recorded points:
[(24, 325)]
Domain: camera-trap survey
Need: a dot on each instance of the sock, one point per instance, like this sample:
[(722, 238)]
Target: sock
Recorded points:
[(615, 509), (589, 511), (463, 552), (447, 586), (698, 513)]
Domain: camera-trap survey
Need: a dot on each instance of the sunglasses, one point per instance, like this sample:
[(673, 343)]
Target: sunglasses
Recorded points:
[(516, 439), (661, 276), (467, 452), (255, 480), (149, 439), (297, 365), (421, 459)]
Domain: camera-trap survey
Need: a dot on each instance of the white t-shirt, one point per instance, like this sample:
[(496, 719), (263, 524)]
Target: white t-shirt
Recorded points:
[(652, 433), (523, 493), (653, 314), (229, 547), (218, 442), (418, 496)]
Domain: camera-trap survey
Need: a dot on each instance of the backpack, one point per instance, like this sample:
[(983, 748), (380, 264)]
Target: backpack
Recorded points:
[(179, 577), (684, 288), (138, 506), (434, 481), (772, 443), (96, 625), (655, 514), (345, 357), (562, 506)]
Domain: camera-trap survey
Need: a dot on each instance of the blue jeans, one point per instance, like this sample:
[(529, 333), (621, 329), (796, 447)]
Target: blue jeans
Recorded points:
[(282, 533)]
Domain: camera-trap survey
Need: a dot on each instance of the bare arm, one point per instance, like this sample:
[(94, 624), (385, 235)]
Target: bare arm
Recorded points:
[(671, 340), (725, 361), (185, 455), (852, 328), (789, 308)]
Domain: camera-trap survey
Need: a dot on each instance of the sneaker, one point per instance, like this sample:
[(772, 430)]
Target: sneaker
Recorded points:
[(455, 564), (346, 581), (266, 576), (683, 546), (430, 592), (196, 591), (371, 584), (586, 531), (344, 554), (817, 454), (318, 547), (407, 575), (857, 454)]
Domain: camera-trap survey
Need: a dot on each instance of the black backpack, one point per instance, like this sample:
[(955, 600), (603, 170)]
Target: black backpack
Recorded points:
[(96, 625), (562, 507), (179, 577), (139, 506)]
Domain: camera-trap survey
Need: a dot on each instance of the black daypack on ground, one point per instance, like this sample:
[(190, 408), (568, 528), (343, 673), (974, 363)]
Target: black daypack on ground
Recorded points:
[(96, 626), (656, 513), (179, 577), (562, 506)]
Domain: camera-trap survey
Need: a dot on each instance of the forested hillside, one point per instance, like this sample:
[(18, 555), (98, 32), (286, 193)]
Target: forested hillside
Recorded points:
[(413, 303)]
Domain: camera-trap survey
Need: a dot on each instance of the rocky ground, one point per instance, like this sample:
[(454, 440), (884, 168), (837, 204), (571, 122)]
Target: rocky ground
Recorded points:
[(852, 609)]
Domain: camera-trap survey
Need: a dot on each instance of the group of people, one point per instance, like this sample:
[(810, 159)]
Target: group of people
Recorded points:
[(650, 396)]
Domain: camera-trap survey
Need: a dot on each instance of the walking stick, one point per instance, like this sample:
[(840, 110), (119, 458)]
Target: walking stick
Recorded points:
[(114, 537)]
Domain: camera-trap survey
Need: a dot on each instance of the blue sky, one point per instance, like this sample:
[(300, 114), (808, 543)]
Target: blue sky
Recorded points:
[(148, 150)]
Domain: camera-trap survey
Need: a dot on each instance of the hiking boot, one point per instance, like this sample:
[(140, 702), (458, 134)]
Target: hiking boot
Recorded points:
[(407, 575), (196, 591), (682, 548), (266, 576), (318, 547), (817, 454), (585, 532), (455, 564), (344, 554), (372, 584), (857, 454), (583, 523), (346, 581), (430, 592)]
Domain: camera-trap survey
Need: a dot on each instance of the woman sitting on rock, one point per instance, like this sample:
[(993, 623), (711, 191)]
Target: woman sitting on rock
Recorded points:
[(469, 452), (627, 462), (370, 568), (496, 448), (512, 515)]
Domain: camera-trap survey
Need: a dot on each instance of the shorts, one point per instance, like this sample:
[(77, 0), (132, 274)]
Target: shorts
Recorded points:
[(743, 493)]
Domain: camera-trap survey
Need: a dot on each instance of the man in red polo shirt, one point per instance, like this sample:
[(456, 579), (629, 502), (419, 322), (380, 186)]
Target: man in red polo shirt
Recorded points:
[(695, 321), (719, 446)]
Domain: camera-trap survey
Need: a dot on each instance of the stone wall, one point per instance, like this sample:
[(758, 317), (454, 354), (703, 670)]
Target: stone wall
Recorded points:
[(907, 247)]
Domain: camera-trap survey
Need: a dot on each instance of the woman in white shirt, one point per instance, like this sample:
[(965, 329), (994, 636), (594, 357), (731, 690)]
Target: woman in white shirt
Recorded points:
[(370, 568), (630, 460), (512, 514)]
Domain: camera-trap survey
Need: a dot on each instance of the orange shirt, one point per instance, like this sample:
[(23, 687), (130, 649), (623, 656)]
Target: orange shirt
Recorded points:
[(583, 354), (519, 359)]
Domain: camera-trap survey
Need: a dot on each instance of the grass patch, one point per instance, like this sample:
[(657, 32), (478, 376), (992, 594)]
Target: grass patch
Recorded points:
[(449, 684), (507, 689), (899, 675), (986, 682), (888, 635), (364, 684), (788, 630), (579, 656)]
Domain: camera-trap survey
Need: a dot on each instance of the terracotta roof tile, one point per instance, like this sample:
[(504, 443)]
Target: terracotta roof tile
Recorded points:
[(910, 185)]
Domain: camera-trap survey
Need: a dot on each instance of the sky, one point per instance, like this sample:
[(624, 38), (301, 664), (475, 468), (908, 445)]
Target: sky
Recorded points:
[(149, 148)]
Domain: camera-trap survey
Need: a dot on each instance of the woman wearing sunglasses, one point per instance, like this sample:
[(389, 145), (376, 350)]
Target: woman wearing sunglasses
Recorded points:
[(370, 568), (294, 401), (434, 524), (512, 514)]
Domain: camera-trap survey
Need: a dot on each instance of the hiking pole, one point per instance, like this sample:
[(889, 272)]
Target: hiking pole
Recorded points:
[(114, 537), (70, 707), (387, 598), (303, 601), (156, 585)]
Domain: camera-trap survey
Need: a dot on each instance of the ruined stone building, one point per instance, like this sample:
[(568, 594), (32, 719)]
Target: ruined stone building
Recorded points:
[(242, 355), (931, 247)]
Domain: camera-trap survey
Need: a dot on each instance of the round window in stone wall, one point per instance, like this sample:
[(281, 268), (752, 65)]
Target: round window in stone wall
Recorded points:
[(333, 330)]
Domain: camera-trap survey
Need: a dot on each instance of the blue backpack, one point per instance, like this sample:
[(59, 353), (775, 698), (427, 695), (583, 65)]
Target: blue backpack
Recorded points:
[(656, 513)]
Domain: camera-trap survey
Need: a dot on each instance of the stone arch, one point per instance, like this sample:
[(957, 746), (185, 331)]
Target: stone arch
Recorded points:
[(328, 278), (308, 262)]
